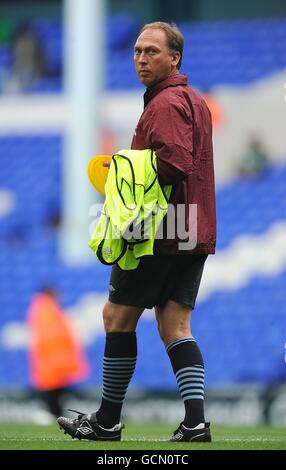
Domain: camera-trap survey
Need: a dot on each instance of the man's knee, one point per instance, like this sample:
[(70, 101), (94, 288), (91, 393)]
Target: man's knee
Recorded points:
[(163, 328), (111, 320), (107, 316), (166, 335), (173, 322), (119, 318)]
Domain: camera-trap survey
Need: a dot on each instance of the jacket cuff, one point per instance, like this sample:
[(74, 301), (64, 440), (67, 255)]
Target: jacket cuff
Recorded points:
[(168, 174)]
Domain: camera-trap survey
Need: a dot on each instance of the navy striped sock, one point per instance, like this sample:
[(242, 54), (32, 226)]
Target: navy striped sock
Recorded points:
[(118, 367), (188, 367)]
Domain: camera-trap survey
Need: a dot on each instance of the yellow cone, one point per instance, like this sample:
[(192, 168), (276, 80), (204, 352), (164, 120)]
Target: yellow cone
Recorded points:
[(97, 173)]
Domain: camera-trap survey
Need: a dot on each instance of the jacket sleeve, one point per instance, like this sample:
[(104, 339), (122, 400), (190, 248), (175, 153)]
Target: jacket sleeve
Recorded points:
[(170, 132)]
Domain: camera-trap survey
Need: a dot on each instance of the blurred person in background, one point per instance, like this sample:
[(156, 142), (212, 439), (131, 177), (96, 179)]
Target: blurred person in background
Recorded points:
[(28, 61), (5, 30), (176, 123), (56, 358), (218, 117), (255, 160)]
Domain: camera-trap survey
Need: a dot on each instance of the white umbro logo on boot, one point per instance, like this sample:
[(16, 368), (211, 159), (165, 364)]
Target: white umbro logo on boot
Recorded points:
[(85, 430)]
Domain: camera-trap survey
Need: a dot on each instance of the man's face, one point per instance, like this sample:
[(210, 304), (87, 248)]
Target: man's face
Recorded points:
[(152, 58)]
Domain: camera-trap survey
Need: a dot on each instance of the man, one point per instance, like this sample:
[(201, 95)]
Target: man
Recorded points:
[(176, 123)]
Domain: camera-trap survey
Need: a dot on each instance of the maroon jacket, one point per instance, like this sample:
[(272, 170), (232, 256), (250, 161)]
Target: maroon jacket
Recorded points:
[(176, 123)]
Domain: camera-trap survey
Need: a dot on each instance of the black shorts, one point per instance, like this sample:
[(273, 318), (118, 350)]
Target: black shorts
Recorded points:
[(157, 279)]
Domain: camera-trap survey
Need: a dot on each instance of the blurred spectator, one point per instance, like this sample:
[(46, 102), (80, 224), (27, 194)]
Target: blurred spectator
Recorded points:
[(218, 117), (28, 61), (56, 359), (255, 160), (5, 30)]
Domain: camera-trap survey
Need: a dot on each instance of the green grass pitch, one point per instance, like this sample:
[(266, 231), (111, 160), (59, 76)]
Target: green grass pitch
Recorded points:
[(141, 437)]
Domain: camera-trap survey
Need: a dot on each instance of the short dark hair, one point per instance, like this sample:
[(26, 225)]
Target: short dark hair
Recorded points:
[(175, 38)]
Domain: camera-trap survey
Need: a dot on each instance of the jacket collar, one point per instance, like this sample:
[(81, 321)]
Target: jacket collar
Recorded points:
[(173, 80)]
